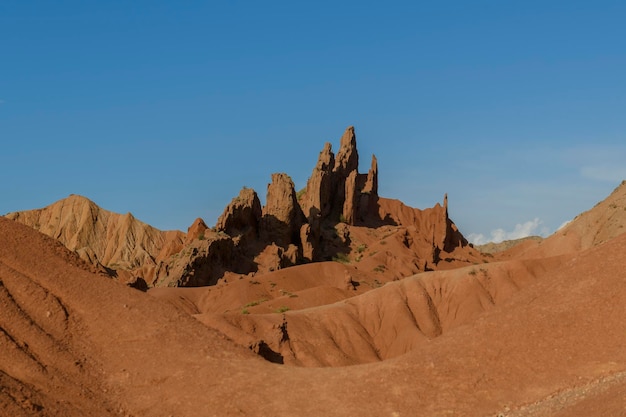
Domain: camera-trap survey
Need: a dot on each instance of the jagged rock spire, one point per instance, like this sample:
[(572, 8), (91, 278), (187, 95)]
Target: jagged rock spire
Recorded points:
[(371, 184), (348, 156), (318, 197), (242, 215), (282, 215), (335, 189)]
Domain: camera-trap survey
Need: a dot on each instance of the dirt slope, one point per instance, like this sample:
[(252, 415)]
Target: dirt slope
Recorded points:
[(361, 326), (75, 343), (105, 349), (603, 222), (390, 317)]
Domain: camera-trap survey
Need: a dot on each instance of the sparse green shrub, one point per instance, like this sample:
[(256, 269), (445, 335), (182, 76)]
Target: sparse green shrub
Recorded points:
[(255, 303), (341, 258), (282, 309), (245, 311)]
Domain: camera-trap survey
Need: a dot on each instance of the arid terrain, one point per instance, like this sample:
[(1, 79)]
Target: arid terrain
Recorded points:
[(328, 301)]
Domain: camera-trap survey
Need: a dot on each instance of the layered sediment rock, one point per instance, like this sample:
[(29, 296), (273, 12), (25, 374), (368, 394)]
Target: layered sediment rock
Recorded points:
[(101, 237)]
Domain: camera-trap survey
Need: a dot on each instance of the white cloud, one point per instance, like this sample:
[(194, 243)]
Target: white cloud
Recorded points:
[(563, 225), (529, 228)]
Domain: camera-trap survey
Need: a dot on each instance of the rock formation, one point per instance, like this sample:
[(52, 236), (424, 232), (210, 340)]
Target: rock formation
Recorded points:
[(309, 238), (336, 191), (346, 166), (339, 210), (348, 156), (350, 199), (317, 199), (196, 231), (282, 215), (200, 263), (368, 200), (241, 217)]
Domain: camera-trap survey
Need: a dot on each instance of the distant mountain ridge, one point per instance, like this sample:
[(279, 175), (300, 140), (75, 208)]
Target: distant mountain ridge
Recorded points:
[(493, 247), (605, 221), (99, 236)]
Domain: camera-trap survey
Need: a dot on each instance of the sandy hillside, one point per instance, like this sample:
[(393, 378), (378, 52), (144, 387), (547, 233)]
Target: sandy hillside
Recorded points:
[(603, 222), (118, 242), (75, 343)]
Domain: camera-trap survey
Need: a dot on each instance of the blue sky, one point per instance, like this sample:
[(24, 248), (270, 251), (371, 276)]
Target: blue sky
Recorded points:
[(166, 109)]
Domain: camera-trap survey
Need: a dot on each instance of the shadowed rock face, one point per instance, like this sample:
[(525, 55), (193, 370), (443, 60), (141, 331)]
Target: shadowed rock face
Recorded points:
[(371, 183), (318, 197), (335, 189), (241, 217), (348, 156), (368, 198), (282, 215), (317, 226), (202, 262)]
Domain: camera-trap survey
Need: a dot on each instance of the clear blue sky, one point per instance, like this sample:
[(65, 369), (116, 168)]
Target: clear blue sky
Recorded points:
[(516, 109)]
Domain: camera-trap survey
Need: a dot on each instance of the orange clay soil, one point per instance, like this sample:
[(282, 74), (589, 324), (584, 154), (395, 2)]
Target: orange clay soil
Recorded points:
[(537, 337)]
